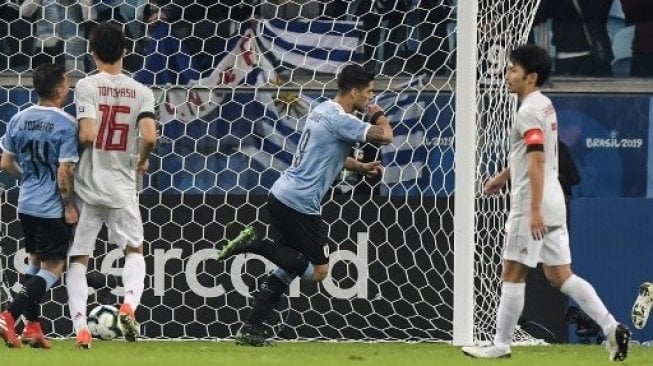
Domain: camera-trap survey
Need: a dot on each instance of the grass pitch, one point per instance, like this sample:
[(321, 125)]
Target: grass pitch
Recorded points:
[(118, 353)]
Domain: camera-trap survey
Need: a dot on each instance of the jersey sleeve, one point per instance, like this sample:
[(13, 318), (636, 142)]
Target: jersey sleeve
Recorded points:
[(6, 141), (528, 120), (68, 149), (84, 100), (349, 128), (147, 105)]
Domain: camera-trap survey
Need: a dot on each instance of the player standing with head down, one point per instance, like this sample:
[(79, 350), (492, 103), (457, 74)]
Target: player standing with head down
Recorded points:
[(536, 230), (111, 109), (40, 147), (299, 245)]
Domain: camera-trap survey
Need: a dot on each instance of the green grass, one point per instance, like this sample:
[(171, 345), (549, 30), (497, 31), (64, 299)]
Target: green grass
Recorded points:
[(118, 353)]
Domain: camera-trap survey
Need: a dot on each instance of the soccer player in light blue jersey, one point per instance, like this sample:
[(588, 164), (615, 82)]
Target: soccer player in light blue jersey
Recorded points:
[(299, 245), (40, 148)]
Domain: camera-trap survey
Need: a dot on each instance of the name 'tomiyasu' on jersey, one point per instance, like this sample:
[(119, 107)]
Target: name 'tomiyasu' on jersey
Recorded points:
[(106, 173)]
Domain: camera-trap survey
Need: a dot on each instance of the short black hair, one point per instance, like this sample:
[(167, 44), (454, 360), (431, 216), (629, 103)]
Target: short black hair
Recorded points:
[(108, 41), (46, 78), (533, 59), (353, 76)]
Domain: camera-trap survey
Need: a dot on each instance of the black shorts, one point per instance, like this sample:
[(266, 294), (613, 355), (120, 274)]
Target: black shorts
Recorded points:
[(45, 237), (305, 233)]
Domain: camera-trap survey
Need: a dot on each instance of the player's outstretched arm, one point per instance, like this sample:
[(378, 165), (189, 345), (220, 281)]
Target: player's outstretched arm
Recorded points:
[(381, 131), (147, 128), (65, 174)]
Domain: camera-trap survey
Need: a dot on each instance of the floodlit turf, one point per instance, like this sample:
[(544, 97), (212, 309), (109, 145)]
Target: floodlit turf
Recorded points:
[(118, 353)]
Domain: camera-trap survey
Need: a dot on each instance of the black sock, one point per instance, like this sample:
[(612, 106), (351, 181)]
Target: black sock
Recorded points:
[(32, 293), (32, 310), (287, 258), (266, 300)]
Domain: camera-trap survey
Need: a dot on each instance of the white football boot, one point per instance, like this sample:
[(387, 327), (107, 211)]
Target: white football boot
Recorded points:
[(490, 351), (642, 306)]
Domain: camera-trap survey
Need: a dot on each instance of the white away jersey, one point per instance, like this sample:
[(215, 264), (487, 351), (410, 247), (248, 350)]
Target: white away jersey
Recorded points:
[(536, 113), (106, 173)]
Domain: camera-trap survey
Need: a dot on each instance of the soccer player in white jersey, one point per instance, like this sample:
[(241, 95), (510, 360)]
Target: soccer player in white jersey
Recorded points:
[(536, 230), (40, 148), (299, 245), (111, 109)]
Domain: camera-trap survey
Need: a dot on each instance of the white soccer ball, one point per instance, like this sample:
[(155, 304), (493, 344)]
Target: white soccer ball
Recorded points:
[(103, 322)]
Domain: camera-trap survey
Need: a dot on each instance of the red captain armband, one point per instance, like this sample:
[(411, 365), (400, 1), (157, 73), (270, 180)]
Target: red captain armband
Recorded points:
[(534, 140)]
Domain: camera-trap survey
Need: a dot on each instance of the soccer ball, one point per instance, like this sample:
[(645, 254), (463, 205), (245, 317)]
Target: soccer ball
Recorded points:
[(103, 322)]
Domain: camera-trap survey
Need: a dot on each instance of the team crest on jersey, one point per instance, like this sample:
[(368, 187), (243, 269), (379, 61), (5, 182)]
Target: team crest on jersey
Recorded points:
[(554, 126)]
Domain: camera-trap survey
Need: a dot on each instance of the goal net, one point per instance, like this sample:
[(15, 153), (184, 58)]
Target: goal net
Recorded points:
[(498, 34), (233, 85)]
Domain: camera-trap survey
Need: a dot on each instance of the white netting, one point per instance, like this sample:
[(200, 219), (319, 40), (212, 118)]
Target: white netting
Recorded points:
[(497, 35), (232, 90)]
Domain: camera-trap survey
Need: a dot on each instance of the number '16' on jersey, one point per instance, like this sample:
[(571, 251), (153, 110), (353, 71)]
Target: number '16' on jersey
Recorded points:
[(106, 173)]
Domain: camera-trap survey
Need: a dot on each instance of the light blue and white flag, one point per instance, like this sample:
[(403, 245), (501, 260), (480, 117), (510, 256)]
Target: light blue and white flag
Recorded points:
[(317, 45), (278, 131), (405, 158)]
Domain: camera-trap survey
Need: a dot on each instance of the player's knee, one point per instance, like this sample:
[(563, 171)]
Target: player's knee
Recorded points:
[(34, 260), (320, 273), (556, 280), (130, 250), (54, 266), (81, 259), (513, 272), (557, 275)]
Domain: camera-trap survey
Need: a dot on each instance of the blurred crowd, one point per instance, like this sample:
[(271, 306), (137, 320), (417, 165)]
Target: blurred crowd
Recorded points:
[(600, 37), (585, 37)]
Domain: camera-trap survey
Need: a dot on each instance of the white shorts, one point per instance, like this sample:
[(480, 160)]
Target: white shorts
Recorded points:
[(125, 227), (520, 246)]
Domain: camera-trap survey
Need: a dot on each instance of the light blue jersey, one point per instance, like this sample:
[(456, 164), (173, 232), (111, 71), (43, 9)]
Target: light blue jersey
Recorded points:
[(327, 139), (40, 138)]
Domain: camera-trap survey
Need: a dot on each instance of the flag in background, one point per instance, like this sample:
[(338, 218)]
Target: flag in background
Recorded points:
[(244, 64), (406, 156), (243, 139), (277, 133), (316, 45), (243, 131)]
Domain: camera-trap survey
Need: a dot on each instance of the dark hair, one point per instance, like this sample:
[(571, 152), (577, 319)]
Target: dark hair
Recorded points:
[(353, 76), (533, 59), (46, 78), (108, 42)]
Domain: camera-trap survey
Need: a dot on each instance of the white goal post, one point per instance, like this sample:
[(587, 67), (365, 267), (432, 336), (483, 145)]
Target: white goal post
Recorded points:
[(465, 163)]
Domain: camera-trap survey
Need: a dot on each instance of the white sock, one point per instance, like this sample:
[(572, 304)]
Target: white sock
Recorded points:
[(133, 277), (77, 288), (585, 296), (510, 308)]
